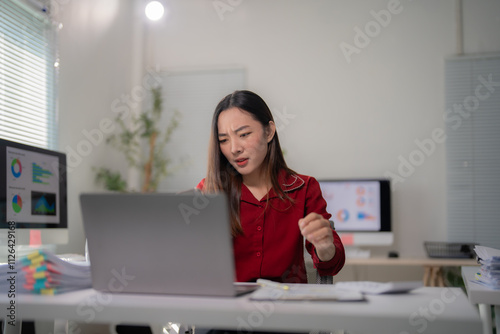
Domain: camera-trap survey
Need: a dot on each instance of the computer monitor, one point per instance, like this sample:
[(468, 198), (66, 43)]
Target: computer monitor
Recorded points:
[(33, 198), (361, 210)]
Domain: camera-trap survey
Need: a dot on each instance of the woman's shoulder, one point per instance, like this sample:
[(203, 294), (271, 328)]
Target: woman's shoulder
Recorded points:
[(291, 180)]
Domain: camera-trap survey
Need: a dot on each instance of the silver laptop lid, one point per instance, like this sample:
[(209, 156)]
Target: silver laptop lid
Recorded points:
[(159, 243)]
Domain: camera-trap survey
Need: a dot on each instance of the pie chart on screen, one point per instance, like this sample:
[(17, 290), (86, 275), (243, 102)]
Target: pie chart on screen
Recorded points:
[(343, 215), (16, 168), (17, 203)]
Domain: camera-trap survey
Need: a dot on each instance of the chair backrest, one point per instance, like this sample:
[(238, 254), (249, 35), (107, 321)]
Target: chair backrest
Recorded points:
[(325, 279)]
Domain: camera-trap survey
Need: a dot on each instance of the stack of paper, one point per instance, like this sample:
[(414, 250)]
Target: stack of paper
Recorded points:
[(42, 272), (489, 273)]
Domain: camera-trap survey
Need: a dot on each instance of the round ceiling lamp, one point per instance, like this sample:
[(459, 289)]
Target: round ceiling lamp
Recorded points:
[(154, 10)]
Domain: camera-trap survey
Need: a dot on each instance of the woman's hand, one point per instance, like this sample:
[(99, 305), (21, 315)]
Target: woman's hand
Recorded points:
[(317, 231)]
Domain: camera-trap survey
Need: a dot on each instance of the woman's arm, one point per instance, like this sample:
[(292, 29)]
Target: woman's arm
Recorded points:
[(322, 242)]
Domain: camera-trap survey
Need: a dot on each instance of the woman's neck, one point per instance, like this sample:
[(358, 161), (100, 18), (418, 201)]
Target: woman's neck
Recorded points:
[(258, 184)]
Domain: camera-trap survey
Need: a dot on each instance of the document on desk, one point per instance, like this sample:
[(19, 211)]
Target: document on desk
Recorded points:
[(270, 290), (378, 288)]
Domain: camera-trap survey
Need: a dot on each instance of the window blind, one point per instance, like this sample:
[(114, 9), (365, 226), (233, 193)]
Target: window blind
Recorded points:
[(472, 119), (28, 72)]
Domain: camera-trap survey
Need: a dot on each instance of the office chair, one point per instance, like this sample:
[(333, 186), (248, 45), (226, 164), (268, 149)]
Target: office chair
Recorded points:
[(325, 279)]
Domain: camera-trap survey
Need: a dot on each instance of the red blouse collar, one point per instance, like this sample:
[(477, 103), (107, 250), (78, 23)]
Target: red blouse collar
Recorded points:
[(287, 182), (290, 182)]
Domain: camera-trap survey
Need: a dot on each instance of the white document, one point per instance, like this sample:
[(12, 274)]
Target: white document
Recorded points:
[(487, 254), (376, 288), (270, 290)]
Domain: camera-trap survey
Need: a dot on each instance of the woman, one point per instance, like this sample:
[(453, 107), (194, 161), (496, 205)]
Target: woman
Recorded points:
[(272, 208)]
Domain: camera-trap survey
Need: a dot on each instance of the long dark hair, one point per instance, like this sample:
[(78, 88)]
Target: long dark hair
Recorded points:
[(221, 175)]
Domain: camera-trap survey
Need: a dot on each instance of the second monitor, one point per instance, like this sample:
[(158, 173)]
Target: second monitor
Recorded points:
[(361, 210)]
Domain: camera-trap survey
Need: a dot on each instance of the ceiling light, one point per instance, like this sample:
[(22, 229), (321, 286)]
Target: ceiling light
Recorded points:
[(154, 10)]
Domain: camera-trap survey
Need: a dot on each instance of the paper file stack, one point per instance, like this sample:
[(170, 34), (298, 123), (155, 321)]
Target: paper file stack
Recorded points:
[(489, 274), (42, 272)]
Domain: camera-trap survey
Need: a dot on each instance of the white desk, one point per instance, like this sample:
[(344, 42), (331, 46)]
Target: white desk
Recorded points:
[(484, 297), (433, 267), (428, 310)]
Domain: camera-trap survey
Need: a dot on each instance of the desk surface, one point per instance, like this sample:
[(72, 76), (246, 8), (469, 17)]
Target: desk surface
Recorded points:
[(479, 294), (433, 310)]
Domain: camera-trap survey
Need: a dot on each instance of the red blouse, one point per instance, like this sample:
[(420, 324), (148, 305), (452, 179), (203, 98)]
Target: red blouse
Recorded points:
[(272, 245)]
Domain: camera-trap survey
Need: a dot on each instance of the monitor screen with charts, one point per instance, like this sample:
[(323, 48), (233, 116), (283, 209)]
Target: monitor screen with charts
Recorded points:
[(361, 210), (33, 194)]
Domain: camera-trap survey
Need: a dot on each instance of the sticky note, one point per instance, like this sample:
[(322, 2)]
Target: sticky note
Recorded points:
[(33, 254), (38, 275), (49, 292), (36, 261)]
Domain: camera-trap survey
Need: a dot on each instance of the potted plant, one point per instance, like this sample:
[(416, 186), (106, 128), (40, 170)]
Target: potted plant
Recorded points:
[(142, 143)]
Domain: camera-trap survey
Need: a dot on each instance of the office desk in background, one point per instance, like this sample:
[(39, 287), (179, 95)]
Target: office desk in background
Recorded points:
[(433, 267), (428, 310), (484, 297)]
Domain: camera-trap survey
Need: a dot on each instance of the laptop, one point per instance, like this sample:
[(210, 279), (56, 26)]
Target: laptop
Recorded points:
[(163, 243)]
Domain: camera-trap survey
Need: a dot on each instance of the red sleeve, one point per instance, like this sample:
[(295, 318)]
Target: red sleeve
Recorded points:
[(316, 203)]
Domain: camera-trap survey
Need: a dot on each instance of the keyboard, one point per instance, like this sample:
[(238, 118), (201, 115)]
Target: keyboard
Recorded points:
[(376, 288)]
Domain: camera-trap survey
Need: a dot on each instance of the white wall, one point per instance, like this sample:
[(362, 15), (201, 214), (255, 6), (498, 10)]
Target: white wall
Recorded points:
[(95, 57), (357, 118)]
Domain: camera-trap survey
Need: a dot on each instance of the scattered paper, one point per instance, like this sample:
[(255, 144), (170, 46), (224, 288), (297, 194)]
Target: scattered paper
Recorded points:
[(489, 272), (270, 290), (377, 288)]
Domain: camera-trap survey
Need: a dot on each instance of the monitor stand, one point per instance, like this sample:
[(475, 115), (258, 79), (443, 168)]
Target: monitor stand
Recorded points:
[(352, 252)]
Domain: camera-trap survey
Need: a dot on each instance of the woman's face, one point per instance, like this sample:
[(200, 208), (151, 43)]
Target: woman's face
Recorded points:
[(243, 141)]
